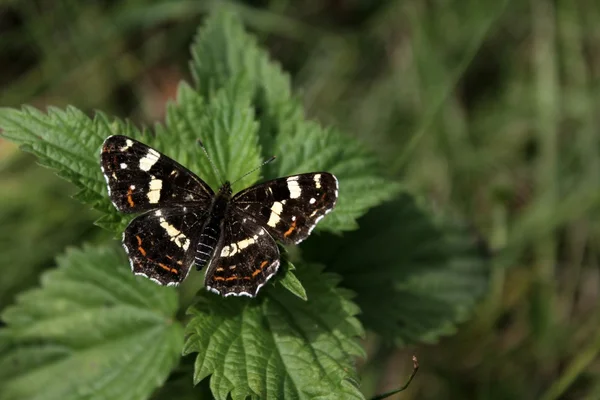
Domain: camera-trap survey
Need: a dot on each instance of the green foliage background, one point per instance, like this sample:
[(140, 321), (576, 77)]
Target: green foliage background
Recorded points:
[(465, 137)]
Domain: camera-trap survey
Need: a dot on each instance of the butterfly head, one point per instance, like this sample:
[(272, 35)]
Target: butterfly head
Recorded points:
[(225, 190)]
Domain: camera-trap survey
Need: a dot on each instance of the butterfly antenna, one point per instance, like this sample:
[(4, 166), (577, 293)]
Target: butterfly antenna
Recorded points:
[(214, 167), (254, 169)]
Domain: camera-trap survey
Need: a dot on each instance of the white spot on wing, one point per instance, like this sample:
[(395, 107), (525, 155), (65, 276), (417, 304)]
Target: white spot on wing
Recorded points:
[(276, 208), (176, 236), (242, 244), (149, 160), (312, 200), (128, 144), (154, 191), (317, 179), (185, 244), (225, 251), (293, 187), (123, 166)]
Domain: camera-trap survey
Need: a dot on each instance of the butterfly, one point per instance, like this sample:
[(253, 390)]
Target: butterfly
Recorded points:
[(183, 222)]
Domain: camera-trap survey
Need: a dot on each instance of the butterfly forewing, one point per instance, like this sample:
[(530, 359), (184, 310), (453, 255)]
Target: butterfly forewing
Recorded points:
[(245, 260), (140, 178), (161, 243), (290, 207)]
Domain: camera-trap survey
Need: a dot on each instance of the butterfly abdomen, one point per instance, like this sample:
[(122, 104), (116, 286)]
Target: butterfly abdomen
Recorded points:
[(211, 231)]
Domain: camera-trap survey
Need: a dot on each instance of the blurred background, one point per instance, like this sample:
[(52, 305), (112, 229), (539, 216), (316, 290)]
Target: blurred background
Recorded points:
[(488, 109)]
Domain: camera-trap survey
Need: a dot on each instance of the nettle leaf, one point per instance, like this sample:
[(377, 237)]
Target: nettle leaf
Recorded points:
[(69, 142), (289, 280), (224, 51), (278, 345), (414, 280), (92, 330), (226, 126), (30, 235)]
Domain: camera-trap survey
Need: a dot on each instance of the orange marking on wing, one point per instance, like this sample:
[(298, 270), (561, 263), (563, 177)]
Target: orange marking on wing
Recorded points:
[(219, 278), (165, 267), (289, 231), (231, 278), (140, 248), (260, 268), (129, 199)]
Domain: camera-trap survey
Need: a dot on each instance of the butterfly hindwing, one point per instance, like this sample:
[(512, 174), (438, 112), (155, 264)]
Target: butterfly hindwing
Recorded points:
[(290, 207), (245, 260), (161, 243), (140, 178)]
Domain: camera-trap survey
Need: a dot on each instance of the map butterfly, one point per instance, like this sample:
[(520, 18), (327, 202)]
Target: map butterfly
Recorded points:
[(184, 222)]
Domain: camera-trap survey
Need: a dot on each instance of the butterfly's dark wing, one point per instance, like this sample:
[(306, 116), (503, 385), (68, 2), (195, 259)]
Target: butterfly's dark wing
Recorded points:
[(161, 243), (140, 178), (289, 207), (246, 258)]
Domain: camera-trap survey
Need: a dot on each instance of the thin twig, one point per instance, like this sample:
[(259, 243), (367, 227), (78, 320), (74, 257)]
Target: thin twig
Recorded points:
[(410, 378)]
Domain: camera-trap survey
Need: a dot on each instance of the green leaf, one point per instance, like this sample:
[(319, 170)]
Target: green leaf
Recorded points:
[(222, 52), (226, 126), (92, 330), (69, 142), (277, 345), (290, 282), (430, 276), (30, 235)]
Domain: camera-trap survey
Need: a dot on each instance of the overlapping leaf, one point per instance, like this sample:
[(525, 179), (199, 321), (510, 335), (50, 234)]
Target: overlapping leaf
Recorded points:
[(278, 345), (414, 280), (92, 330)]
